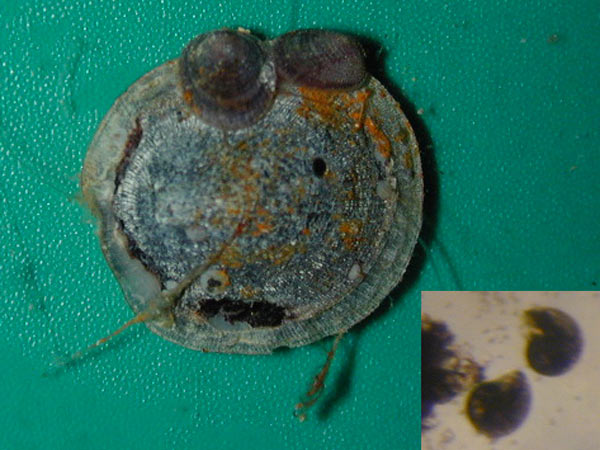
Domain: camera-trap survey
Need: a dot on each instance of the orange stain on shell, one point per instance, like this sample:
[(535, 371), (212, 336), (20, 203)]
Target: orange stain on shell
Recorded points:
[(350, 231), (381, 140), (320, 101)]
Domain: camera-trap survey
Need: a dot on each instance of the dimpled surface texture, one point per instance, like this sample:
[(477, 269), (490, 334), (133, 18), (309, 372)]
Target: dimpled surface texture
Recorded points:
[(508, 94)]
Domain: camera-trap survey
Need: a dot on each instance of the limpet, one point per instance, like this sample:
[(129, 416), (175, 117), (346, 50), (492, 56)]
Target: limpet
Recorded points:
[(247, 202)]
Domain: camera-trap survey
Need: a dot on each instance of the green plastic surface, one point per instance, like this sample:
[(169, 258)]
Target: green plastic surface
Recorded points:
[(505, 98)]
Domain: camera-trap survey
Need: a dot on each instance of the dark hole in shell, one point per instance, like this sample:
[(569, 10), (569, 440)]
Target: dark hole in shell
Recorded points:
[(212, 283), (133, 141), (256, 314), (319, 167)]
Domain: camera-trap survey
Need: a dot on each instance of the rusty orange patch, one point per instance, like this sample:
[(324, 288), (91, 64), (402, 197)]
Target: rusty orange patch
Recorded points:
[(262, 228), (381, 140), (224, 277), (402, 136), (329, 105), (231, 257), (261, 211), (358, 116), (350, 231), (320, 101), (188, 97), (351, 194), (351, 226), (242, 145), (408, 161), (282, 254)]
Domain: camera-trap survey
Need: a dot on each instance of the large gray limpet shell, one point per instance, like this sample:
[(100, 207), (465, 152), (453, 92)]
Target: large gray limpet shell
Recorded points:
[(313, 211)]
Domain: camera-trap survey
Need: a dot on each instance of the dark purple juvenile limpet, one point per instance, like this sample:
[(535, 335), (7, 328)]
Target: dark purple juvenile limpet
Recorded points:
[(320, 58)]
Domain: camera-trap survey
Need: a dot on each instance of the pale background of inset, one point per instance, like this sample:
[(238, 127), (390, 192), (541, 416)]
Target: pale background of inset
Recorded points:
[(564, 410)]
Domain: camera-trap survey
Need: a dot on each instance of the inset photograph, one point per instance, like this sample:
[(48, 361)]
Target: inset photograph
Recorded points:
[(510, 370)]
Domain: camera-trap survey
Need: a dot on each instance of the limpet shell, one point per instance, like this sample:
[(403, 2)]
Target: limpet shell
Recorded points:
[(269, 230)]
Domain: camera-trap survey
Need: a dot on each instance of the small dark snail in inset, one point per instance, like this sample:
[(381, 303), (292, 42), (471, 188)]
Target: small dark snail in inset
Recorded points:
[(445, 369), (498, 407), (554, 343)]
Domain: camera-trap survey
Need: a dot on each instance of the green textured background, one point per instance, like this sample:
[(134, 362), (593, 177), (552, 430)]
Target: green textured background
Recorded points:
[(505, 98)]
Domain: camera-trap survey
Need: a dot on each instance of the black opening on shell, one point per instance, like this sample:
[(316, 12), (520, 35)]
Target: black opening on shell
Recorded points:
[(498, 407), (256, 314), (212, 283), (319, 167), (131, 144), (555, 342)]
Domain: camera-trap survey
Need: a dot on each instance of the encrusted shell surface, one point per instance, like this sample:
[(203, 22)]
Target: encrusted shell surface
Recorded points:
[(284, 231)]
